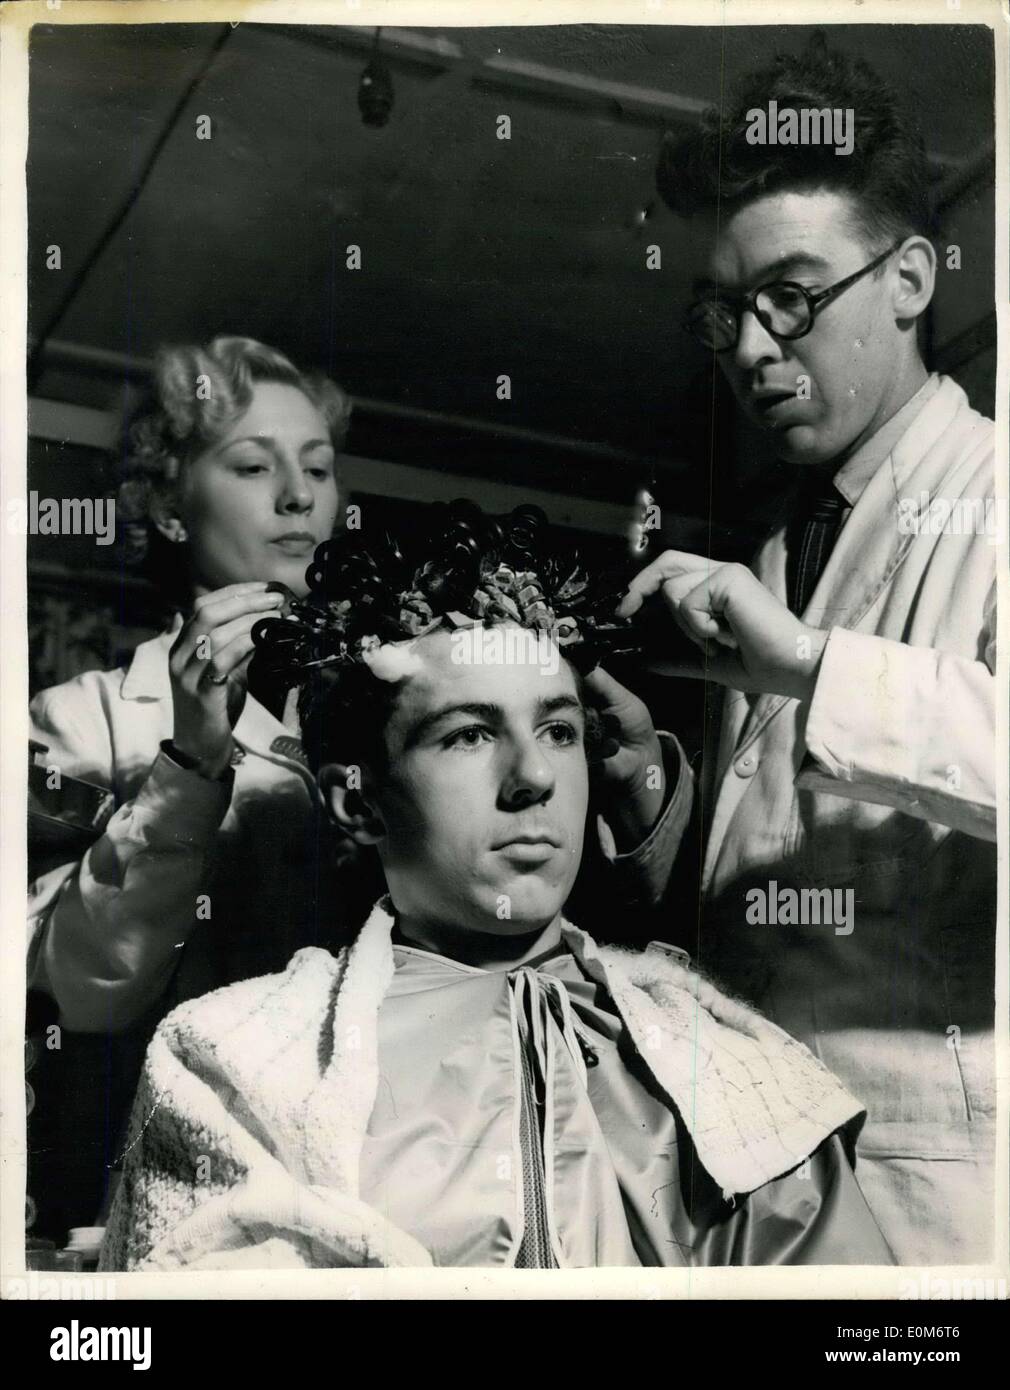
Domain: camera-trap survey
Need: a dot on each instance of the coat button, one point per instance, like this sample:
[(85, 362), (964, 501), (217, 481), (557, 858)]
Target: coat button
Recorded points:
[(746, 766)]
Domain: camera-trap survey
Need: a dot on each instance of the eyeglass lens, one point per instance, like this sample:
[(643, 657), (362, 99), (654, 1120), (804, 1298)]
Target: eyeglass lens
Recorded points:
[(782, 308)]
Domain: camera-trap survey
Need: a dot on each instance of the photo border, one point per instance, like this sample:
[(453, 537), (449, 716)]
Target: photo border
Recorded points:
[(768, 1283)]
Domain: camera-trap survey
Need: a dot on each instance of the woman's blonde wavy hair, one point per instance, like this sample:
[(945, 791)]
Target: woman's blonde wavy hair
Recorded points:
[(176, 422)]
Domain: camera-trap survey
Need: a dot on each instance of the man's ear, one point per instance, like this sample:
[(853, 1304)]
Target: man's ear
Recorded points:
[(344, 789), (916, 278)]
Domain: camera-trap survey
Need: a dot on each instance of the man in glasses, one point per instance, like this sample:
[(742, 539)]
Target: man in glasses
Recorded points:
[(857, 753)]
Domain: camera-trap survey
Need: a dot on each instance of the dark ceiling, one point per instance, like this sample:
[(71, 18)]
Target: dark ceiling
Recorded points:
[(480, 256)]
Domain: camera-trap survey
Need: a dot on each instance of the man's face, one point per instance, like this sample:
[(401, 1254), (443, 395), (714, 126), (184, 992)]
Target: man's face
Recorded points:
[(848, 360), (485, 791)]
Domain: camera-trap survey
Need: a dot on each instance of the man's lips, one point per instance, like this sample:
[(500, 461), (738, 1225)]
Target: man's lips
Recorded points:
[(533, 837), (773, 406), (532, 854), (530, 848), (762, 400)]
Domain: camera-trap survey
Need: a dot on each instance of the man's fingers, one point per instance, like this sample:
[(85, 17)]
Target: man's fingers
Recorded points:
[(696, 613), (678, 617), (675, 590), (625, 715), (603, 689), (669, 565), (700, 609), (599, 752), (694, 607)]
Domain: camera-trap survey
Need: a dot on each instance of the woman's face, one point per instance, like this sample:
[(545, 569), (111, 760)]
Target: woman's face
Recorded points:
[(258, 501)]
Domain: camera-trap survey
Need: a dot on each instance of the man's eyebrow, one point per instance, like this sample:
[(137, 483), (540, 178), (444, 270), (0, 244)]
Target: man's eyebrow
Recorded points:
[(782, 265), (490, 712), (556, 703)]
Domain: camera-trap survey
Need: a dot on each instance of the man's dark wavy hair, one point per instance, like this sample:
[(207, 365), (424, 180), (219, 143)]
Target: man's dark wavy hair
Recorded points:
[(887, 175)]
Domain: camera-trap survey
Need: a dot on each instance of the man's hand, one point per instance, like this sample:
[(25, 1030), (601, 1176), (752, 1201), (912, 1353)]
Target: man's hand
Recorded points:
[(751, 640), (631, 774)]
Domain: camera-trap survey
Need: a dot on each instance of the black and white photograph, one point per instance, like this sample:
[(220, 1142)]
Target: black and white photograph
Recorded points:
[(502, 529)]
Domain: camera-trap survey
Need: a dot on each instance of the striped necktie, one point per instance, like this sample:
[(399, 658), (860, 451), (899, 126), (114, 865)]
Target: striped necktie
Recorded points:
[(810, 539)]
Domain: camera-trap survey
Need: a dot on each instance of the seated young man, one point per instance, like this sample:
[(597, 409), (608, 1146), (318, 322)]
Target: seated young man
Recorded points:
[(474, 1080)]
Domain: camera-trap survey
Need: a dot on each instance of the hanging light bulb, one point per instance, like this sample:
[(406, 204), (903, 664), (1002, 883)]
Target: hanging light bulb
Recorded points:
[(375, 90)]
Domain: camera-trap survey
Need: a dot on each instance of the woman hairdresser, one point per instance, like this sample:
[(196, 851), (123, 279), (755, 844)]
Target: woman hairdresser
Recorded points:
[(230, 476), (211, 869)]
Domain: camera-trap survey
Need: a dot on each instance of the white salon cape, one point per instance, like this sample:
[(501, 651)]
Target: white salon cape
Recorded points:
[(514, 1125)]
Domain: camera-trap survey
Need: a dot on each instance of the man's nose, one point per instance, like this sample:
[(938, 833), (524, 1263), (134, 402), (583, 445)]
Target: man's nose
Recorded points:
[(755, 345), (294, 493), (529, 777)]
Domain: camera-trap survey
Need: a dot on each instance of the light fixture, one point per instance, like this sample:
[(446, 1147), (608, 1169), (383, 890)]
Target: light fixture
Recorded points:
[(375, 90)]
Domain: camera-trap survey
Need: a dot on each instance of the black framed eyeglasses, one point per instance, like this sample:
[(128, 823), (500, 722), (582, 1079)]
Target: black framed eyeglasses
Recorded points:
[(783, 308)]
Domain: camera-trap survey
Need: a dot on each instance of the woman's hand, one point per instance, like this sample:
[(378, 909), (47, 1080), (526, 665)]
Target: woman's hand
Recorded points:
[(208, 664)]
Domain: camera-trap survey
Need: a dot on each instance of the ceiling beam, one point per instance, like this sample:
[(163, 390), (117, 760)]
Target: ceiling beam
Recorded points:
[(624, 99)]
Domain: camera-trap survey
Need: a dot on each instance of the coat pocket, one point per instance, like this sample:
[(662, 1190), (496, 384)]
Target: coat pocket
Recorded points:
[(968, 955), (879, 853)]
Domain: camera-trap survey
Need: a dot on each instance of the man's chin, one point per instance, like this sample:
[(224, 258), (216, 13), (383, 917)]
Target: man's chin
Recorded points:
[(803, 445), (521, 909), (526, 921)]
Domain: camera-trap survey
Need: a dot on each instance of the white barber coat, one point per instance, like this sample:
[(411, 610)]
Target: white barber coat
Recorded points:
[(232, 873), (883, 783)]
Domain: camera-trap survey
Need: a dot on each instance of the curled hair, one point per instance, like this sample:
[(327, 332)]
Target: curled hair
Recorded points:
[(176, 421), (887, 175), (461, 568)]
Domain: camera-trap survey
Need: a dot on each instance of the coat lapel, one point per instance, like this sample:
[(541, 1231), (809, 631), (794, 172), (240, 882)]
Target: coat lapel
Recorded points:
[(756, 710), (257, 730), (147, 677), (871, 546), (261, 732)]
